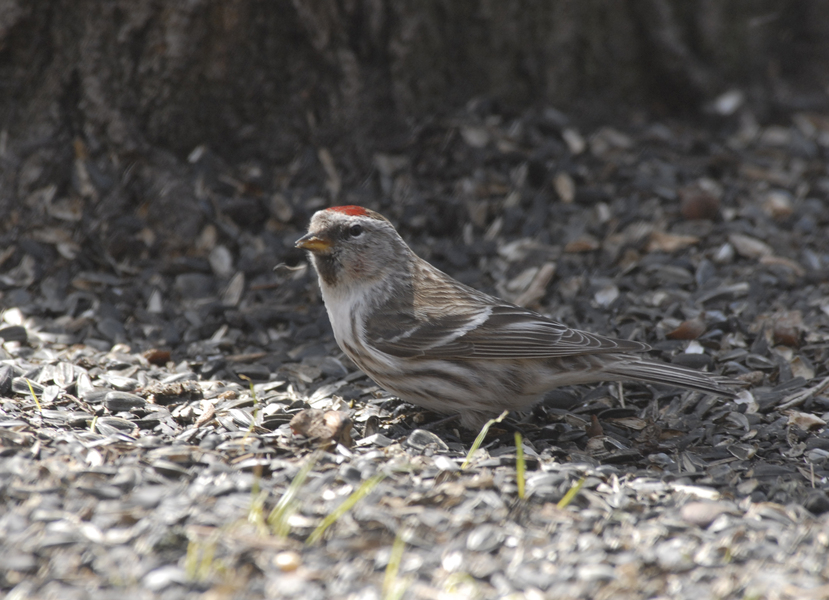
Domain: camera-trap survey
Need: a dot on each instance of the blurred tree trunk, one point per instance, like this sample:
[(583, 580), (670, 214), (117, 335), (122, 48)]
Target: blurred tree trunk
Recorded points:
[(102, 101)]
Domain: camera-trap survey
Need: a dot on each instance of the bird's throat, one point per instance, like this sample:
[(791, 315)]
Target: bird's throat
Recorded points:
[(328, 268)]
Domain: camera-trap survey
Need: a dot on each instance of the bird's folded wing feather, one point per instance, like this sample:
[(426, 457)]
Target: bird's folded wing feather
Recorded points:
[(499, 331)]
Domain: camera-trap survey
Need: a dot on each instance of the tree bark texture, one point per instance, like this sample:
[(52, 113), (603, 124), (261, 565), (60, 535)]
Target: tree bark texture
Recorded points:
[(102, 101)]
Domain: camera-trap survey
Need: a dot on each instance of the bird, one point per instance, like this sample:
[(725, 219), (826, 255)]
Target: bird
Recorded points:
[(444, 346)]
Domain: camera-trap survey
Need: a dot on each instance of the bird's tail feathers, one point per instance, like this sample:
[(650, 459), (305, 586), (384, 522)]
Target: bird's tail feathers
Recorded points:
[(674, 375)]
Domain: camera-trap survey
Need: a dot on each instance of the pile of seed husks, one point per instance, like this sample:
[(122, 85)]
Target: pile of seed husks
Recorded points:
[(187, 428)]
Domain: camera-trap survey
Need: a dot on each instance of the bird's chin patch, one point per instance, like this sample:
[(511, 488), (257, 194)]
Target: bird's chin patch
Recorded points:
[(328, 268)]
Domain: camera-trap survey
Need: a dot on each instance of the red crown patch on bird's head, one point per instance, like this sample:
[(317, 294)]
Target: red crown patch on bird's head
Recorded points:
[(351, 210)]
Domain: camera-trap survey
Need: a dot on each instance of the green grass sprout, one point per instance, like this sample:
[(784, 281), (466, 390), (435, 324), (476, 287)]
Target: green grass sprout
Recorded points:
[(343, 508), (394, 588), (480, 439), (462, 585), (198, 563), (287, 505), (32, 390), (256, 514), (520, 465), (571, 493)]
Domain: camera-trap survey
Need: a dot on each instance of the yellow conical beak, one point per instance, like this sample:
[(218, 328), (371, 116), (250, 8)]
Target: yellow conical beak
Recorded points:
[(313, 243)]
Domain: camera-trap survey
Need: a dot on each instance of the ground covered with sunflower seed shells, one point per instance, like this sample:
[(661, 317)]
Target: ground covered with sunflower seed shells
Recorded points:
[(187, 428)]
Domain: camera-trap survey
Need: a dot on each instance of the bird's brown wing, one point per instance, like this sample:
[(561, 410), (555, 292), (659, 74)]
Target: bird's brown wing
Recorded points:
[(494, 331)]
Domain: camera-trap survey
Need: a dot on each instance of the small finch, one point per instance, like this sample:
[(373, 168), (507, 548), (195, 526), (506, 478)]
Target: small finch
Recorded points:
[(447, 347)]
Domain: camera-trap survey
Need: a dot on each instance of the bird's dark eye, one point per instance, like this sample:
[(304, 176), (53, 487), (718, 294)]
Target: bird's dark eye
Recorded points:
[(355, 230)]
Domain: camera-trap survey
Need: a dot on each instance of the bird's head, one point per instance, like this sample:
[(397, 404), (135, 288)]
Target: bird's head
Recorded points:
[(350, 245)]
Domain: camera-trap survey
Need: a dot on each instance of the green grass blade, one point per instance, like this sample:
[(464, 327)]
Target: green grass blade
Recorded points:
[(520, 465), (480, 439), (198, 562), (32, 390), (191, 560), (571, 493), (256, 513), (278, 517), (394, 588), (343, 508)]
